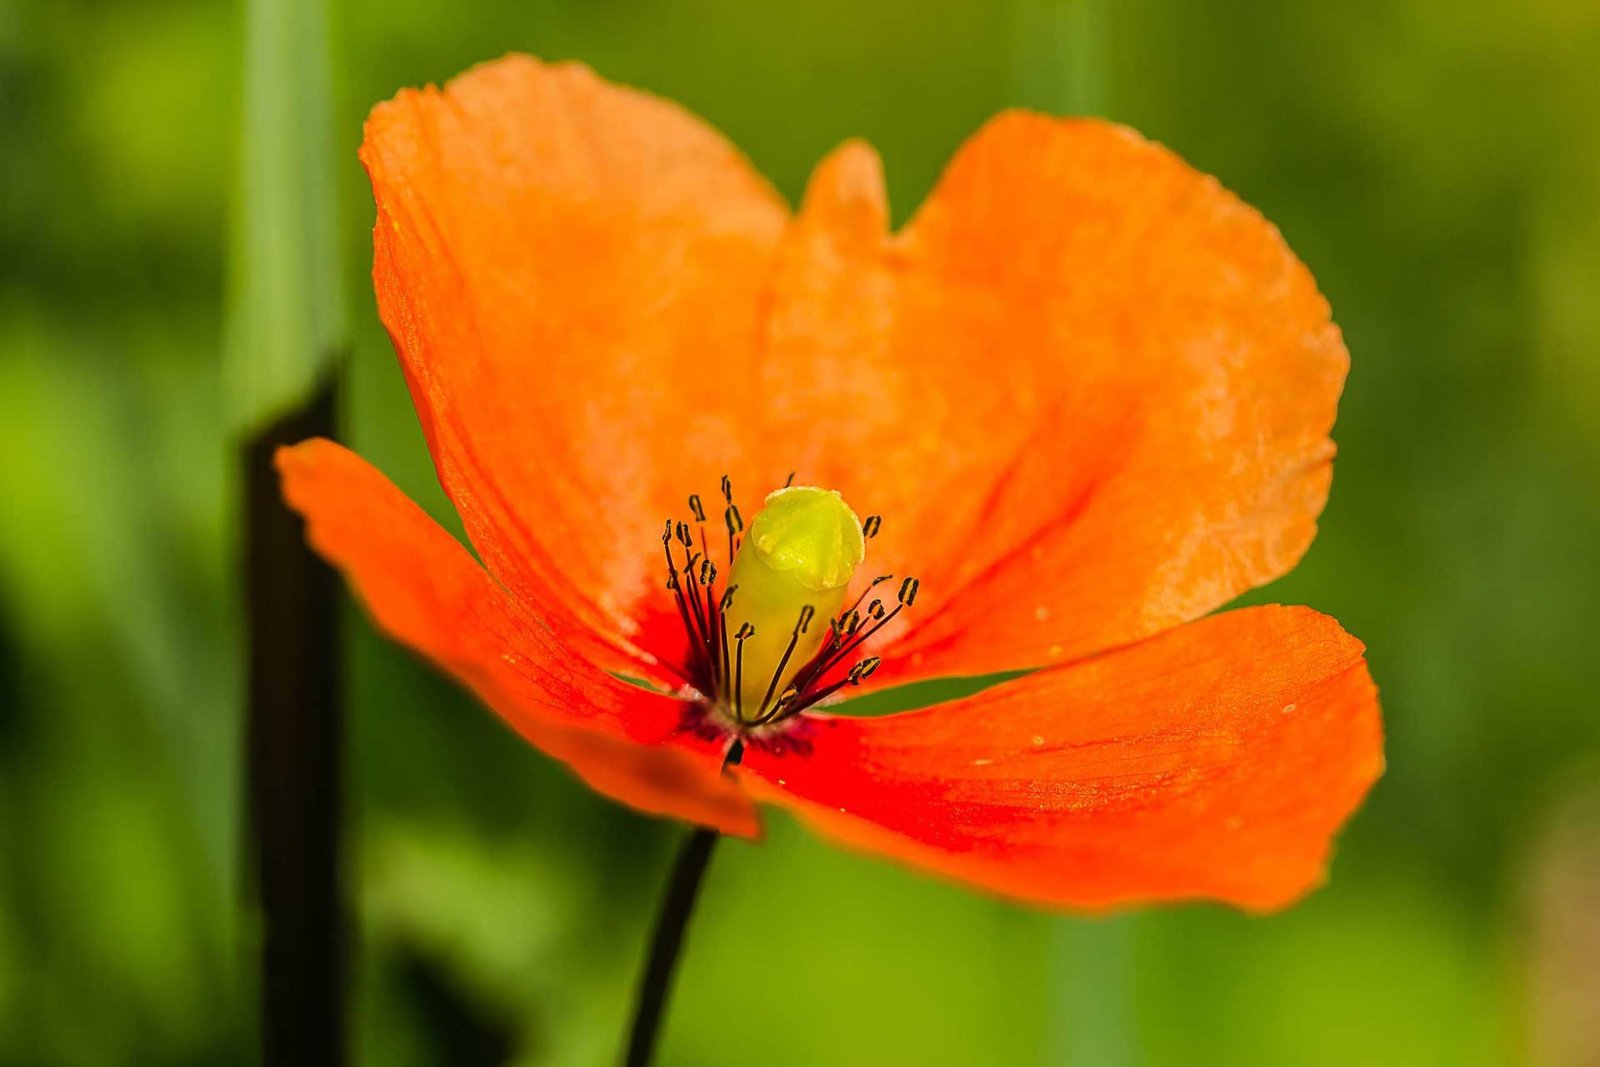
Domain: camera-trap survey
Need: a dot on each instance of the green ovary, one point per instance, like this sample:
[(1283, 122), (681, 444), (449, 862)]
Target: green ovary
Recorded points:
[(800, 551)]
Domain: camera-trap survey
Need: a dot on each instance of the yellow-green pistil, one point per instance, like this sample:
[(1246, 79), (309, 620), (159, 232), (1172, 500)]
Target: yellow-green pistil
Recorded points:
[(789, 580)]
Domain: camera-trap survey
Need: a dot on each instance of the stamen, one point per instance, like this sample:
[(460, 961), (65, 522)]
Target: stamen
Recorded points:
[(799, 554), (735, 525), (696, 601), (806, 613), (778, 709), (908, 594), (697, 636), (879, 580), (722, 626), (857, 674), (745, 633)]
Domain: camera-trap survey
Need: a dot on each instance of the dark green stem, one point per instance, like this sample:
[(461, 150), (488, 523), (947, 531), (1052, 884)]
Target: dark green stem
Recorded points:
[(671, 924)]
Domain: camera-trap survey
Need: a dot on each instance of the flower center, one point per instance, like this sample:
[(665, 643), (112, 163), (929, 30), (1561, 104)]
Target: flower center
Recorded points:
[(759, 649)]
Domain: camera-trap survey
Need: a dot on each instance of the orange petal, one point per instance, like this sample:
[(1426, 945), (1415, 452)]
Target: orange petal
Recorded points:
[(423, 588), (569, 271), (1214, 761), (1088, 389)]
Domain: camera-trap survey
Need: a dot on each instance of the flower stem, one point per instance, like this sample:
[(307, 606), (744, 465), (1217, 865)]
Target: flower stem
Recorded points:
[(671, 923)]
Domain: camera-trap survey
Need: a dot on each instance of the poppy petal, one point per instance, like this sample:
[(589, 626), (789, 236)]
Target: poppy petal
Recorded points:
[(1088, 389), (427, 592), (1213, 761), (569, 272)]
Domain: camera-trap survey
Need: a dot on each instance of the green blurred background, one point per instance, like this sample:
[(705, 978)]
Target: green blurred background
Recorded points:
[(1436, 162)]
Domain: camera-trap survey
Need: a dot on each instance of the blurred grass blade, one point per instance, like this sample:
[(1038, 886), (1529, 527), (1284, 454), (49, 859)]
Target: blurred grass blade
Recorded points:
[(286, 332), (1058, 51), (286, 323)]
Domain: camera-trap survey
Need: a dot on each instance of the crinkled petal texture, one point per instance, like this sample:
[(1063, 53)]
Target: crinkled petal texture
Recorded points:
[(569, 271), (424, 589), (1213, 761), (1087, 388)]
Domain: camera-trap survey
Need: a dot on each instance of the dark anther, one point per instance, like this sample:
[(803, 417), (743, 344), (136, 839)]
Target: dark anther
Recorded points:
[(863, 670), (672, 581), (727, 598), (870, 527), (735, 523), (787, 482), (727, 489), (806, 614), (875, 609), (745, 632), (694, 506), (666, 538), (908, 591), (683, 535), (851, 622), (708, 572)]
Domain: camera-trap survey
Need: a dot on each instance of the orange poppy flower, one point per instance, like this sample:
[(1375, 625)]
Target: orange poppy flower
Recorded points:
[(1085, 393)]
